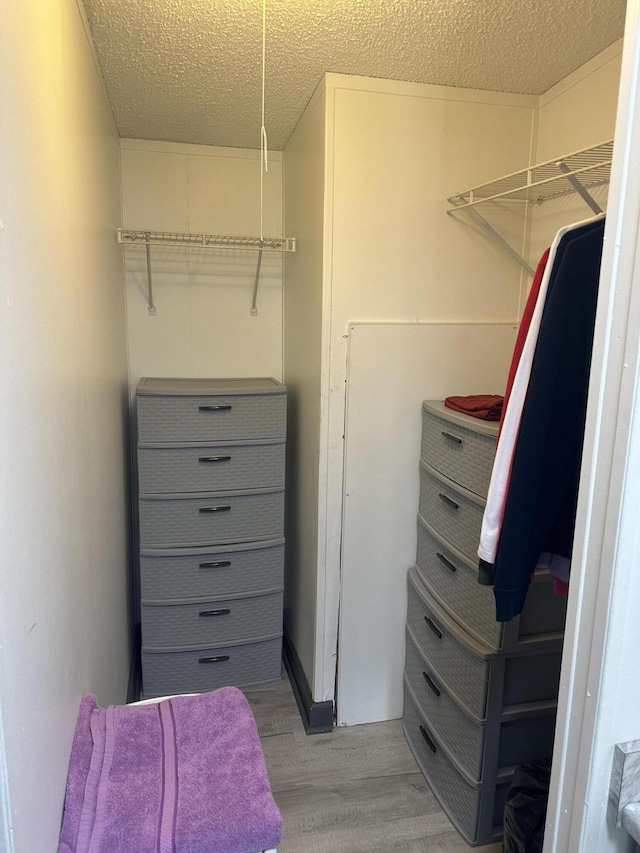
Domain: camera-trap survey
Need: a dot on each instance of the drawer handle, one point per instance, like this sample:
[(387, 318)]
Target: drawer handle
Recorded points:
[(431, 684), (214, 408), (428, 740), (222, 612), (452, 437), (433, 627), (214, 659), (214, 459), (448, 500), (215, 564), (215, 509), (445, 562)]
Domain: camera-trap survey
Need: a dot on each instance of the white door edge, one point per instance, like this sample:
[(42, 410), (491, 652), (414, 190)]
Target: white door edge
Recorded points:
[(6, 836), (599, 698)]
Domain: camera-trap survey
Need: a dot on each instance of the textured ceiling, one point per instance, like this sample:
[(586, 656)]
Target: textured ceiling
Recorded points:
[(190, 70)]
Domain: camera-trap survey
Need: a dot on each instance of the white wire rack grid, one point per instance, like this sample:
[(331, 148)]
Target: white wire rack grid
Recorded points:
[(205, 241), (590, 167)]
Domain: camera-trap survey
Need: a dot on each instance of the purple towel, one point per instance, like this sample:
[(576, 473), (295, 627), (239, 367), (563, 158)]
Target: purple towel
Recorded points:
[(186, 774)]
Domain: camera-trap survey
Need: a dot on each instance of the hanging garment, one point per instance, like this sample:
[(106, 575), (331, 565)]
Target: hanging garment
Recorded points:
[(539, 511), (519, 375), (523, 329)]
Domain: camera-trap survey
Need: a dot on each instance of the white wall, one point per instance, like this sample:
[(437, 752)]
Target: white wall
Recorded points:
[(577, 112), (304, 206), (581, 109), (203, 325), (392, 368), (394, 255), (63, 520), (394, 152)]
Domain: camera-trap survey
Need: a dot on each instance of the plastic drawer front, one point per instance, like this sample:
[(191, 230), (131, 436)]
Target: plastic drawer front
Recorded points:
[(442, 644), (180, 419), (198, 670), (203, 572), (458, 446), (452, 579), (472, 671), (183, 520), (214, 621), (454, 512), (463, 736), (475, 810), (513, 736), (209, 468)]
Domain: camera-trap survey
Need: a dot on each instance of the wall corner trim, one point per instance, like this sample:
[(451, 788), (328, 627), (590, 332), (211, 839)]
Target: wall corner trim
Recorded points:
[(317, 717)]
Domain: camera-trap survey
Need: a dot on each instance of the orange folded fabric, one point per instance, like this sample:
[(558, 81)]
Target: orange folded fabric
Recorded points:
[(488, 407)]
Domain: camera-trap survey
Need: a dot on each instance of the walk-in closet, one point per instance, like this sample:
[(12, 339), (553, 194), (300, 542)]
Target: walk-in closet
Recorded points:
[(374, 257)]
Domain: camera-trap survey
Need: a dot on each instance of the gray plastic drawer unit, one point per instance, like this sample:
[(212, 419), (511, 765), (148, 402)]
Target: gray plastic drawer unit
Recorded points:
[(211, 473), (480, 696)]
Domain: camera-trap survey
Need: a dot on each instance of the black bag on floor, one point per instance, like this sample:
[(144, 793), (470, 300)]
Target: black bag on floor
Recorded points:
[(526, 808)]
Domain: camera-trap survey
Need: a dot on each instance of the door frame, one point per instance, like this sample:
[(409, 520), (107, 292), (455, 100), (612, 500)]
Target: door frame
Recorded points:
[(599, 685)]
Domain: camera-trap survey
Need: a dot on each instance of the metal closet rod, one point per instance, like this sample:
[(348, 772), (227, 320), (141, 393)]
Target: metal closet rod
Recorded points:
[(150, 238)]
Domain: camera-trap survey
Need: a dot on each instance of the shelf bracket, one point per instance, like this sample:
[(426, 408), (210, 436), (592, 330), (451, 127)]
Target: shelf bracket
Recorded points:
[(151, 306), (482, 222), (582, 192), (254, 301)]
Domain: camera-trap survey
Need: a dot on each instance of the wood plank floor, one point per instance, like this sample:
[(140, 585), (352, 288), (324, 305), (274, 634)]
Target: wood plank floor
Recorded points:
[(354, 790)]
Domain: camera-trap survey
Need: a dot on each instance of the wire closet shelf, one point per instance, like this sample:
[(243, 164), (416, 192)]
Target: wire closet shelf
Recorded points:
[(578, 172), (589, 168), (205, 241), (148, 238)]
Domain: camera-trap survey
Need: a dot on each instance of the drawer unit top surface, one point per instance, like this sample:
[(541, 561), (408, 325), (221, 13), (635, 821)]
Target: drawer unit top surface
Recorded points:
[(195, 387)]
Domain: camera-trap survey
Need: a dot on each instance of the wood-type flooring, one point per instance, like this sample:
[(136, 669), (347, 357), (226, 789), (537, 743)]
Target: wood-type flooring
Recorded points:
[(355, 790)]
